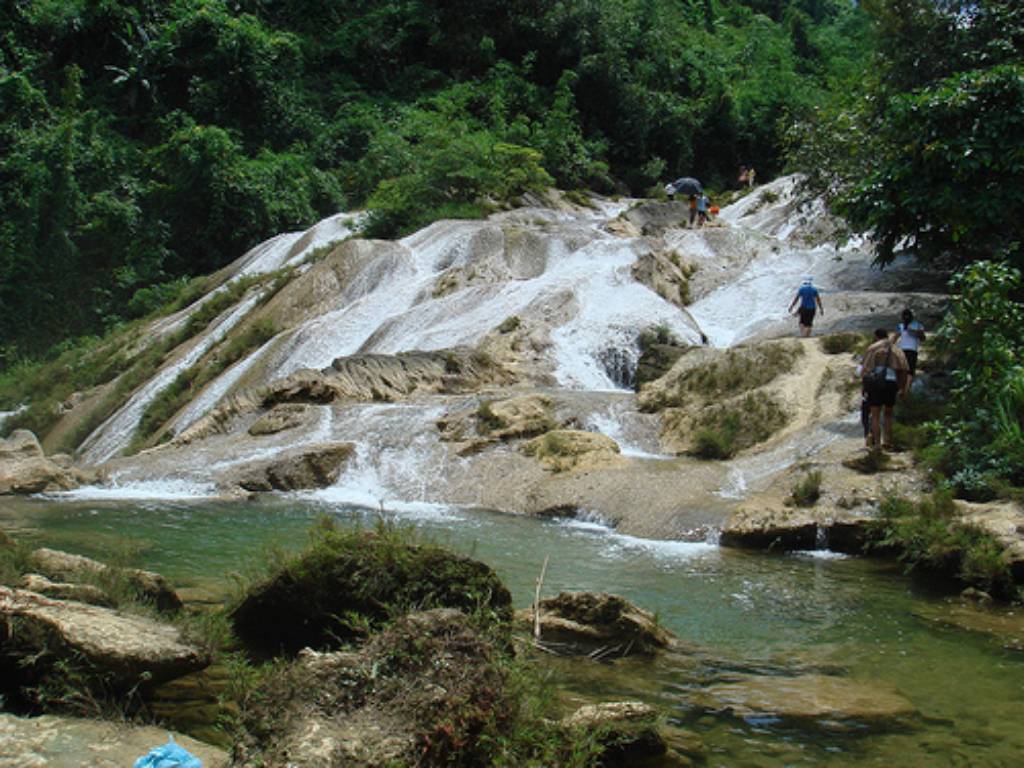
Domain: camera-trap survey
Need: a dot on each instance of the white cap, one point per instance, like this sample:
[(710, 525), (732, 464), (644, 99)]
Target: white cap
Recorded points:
[(808, 279)]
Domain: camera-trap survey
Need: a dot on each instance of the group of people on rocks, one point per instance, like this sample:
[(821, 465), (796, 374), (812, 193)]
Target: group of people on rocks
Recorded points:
[(887, 368)]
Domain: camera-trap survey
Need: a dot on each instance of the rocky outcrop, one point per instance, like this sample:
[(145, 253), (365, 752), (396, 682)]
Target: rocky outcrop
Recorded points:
[(82, 593), (494, 421), (281, 418), (316, 466), (325, 595), (117, 650), (655, 218), (417, 693), (561, 450), (67, 742), (24, 468), (148, 586), (628, 731), (1005, 522), (665, 273), (811, 701), (598, 625)]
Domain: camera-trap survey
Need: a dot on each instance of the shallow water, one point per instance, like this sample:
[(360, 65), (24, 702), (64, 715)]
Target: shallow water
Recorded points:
[(744, 612)]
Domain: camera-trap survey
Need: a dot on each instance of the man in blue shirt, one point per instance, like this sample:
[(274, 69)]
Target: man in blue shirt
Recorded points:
[(809, 300)]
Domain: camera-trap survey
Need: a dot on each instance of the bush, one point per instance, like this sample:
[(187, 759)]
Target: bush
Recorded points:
[(844, 343), (928, 534), (731, 428)]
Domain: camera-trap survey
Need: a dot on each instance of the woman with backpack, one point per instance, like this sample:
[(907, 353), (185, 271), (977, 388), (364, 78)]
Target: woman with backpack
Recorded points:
[(885, 375)]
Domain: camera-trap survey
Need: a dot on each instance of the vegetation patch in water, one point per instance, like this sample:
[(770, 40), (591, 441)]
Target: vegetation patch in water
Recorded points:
[(929, 534)]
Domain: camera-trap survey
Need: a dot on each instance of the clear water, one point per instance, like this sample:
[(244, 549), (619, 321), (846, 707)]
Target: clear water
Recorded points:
[(744, 612)]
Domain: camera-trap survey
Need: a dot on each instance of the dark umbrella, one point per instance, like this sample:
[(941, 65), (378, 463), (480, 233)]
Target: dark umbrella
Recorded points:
[(687, 186)]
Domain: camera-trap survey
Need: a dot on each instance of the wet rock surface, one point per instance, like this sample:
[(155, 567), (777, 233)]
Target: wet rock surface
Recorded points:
[(811, 701), (281, 418), (597, 624), (118, 649), (316, 466), (50, 741), (1004, 625)]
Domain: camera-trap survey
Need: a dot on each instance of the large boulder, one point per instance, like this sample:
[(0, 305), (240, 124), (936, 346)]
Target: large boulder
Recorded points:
[(118, 651), (146, 585), (24, 467), (316, 466), (812, 701), (597, 624), (68, 742), (346, 581), (418, 693), (280, 418)]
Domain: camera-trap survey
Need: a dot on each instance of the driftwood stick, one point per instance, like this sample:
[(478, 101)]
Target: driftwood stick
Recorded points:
[(536, 599)]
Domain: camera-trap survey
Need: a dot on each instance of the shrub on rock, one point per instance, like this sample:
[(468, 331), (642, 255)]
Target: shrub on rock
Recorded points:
[(347, 582)]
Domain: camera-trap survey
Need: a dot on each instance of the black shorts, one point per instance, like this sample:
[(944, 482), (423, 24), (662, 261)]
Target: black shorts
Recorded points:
[(882, 394), (807, 316), (911, 355)]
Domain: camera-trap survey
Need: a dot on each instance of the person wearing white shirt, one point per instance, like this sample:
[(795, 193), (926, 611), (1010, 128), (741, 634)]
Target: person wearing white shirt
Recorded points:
[(911, 335)]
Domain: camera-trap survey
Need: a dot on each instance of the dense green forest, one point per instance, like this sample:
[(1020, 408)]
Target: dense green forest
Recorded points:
[(143, 141)]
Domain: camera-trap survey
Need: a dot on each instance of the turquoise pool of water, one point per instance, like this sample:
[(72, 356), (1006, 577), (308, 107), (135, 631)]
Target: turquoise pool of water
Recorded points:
[(745, 612)]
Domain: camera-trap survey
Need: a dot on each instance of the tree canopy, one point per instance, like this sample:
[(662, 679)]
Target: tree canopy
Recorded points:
[(145, 140)]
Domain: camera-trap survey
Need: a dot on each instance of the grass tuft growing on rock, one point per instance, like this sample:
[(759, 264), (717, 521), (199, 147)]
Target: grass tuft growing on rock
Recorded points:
[(845, 343), (807, 491)]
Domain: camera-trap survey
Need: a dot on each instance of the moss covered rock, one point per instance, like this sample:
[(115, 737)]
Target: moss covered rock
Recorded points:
[(347, 582)]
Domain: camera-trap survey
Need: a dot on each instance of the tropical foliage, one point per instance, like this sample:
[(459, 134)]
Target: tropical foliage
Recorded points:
[(143, 141)]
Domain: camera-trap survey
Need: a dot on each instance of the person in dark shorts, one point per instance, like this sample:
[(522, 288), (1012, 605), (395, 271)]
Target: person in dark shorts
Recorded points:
[(810, 302), (884, 371), (911, 335)]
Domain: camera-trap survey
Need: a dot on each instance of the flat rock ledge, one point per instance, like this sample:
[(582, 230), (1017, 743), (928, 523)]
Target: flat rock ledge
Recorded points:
[(66, 742), (59, 590), (66, 567), (785, 528), (598, 625), (128, 649), (812, 701)]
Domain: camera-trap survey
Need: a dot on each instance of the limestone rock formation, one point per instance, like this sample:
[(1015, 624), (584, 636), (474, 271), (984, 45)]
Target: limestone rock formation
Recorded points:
[(119, 649), (67, 742), (280, 418), (316, 466), (814, 701), (82, 593), (149, 586), (494, 421), (366, 575), (561, 450), (24, 468), (597, 624)]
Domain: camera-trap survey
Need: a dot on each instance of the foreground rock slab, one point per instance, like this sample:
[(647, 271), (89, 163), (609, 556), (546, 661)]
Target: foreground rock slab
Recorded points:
[(125, 650), (65, 742), (150, 586), (628, 730), (814, 701)]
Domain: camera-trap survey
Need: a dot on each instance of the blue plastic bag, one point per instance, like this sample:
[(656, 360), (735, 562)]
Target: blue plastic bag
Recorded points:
[(170, 755)]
